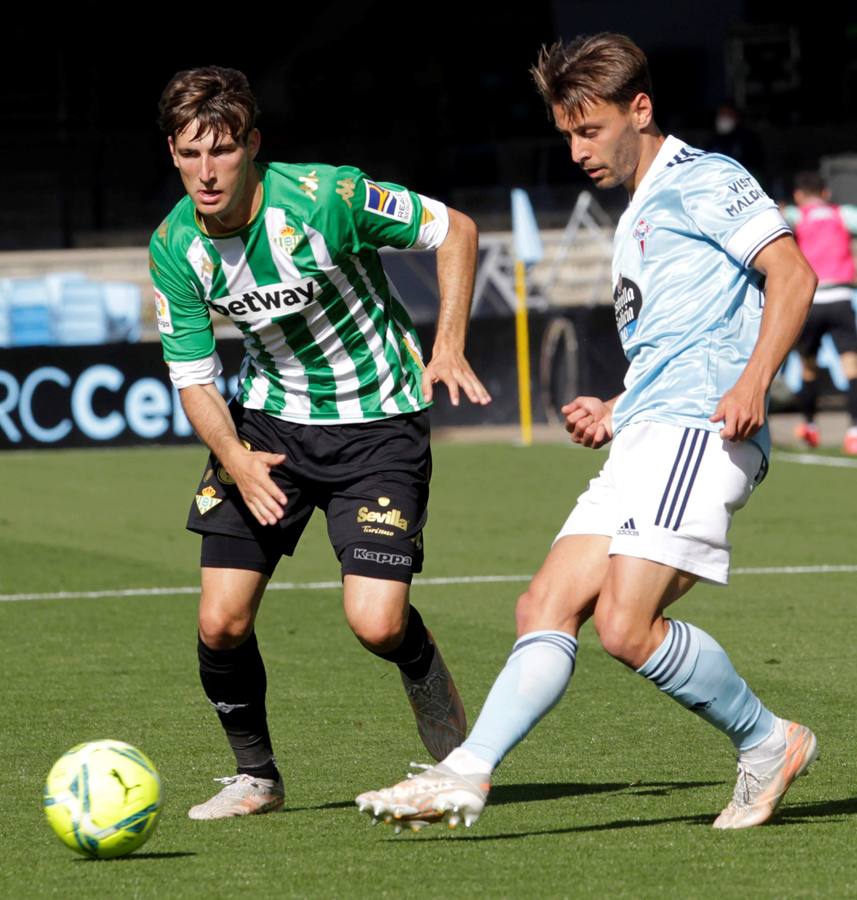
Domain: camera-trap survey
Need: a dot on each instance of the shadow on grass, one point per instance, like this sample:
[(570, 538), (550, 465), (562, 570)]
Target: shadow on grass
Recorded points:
[(336, 804), (823, 810), (790, 816), (524, 793), (134, 857)]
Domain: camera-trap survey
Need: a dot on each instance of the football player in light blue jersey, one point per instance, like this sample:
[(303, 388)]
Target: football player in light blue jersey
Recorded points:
[(710, 294), (688, 304)]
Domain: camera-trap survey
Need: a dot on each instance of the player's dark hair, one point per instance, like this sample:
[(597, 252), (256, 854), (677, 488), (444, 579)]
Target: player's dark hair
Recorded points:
[(810, 183), (591, 68), (220, 100)]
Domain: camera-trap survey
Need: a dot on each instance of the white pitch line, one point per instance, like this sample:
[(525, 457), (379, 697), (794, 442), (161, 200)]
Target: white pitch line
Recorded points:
[(810, 459), (418, 582), (792, 570)]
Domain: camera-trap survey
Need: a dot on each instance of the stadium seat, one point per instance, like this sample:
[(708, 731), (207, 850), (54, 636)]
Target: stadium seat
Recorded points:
[(30, 313), (123, 305), (81, 316), (5, 337)]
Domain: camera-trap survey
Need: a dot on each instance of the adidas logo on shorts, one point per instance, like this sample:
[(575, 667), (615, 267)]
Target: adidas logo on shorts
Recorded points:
[(628, 528)]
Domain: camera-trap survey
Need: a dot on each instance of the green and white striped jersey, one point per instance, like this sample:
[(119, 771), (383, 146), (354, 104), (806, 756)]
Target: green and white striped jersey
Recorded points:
[(326, 339)]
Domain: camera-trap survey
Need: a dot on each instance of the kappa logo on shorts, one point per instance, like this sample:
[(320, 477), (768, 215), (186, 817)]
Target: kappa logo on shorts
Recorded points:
[(628, 528), (206, 500), (382, 557)]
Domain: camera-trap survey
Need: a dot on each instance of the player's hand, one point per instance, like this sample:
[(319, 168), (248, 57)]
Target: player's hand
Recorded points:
[(454, 371), (741, 410), (251, 471), (589, 421)]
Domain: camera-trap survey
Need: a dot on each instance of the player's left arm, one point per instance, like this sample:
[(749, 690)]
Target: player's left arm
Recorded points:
[(383, 214), (456, 272), (789, 287)]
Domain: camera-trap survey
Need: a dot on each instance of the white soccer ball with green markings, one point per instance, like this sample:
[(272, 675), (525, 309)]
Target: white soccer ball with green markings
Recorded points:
[(103, 798)]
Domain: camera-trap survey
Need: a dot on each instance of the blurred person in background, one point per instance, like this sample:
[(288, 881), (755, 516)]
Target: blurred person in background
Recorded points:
[(734, 138), (823, 231)]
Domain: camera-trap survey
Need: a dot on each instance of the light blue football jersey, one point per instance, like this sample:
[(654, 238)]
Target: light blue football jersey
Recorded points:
[(688, 305)]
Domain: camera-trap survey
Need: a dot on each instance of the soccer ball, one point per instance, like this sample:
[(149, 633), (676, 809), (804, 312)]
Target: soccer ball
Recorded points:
[(103, 798)]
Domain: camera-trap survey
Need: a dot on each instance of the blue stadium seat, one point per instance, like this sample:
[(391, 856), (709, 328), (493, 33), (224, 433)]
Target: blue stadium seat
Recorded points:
[(123, 304), (81, 316), (30, 313), (5, 337)]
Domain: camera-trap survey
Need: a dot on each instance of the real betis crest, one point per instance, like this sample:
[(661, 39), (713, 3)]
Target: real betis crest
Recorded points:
[(288, 239), (206, 501)]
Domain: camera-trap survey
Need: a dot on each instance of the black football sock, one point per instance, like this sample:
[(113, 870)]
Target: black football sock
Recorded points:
[(414, 655), (234, 682), (807, 399)]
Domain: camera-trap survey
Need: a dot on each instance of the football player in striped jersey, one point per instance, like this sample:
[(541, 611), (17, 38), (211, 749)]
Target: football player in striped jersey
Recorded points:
[(331, 408)]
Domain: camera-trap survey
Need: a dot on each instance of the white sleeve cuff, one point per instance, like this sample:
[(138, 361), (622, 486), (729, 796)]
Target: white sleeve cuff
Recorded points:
[(434, 226), (753, 235), (195, 371)]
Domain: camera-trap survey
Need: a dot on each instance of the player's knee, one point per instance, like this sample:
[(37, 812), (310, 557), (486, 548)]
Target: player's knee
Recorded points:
[(222, 630), (376, 604), (529, 611), (379, 631), (543, 607), (621, 635)]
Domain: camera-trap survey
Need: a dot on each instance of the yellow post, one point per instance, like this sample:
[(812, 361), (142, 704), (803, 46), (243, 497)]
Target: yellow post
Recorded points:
[(522, 342)]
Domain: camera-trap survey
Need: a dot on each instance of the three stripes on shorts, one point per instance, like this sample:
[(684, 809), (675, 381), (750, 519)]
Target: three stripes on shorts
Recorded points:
[(682, 477)]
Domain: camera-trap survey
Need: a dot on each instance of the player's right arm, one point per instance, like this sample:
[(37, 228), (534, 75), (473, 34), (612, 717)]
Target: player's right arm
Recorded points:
[(208, 413), (589, 420), (187, 338)]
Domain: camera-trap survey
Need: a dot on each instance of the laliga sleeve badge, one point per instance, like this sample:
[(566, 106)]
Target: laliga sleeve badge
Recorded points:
[(396, 205), (163, 315), (206, 500)]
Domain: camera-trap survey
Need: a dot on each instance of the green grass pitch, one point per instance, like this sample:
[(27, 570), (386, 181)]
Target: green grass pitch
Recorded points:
[(611, 796)]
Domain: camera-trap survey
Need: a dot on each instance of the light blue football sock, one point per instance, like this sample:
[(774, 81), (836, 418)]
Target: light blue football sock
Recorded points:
[(532, 681), (694, 669)]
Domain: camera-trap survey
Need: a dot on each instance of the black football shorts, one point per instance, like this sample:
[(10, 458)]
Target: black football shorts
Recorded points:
[(371, 480)]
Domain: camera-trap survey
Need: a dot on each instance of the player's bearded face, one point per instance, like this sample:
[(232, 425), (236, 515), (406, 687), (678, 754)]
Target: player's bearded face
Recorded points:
[(604, 141), (217, 174)]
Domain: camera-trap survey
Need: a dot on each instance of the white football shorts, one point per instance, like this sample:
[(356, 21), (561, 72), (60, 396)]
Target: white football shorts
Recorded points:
[(667, 493)]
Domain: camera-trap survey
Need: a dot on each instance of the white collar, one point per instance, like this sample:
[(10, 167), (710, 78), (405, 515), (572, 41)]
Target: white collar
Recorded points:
[(670, 147)]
